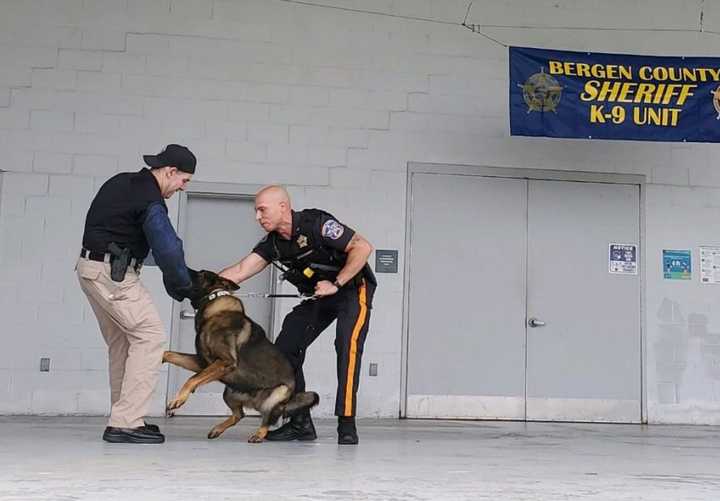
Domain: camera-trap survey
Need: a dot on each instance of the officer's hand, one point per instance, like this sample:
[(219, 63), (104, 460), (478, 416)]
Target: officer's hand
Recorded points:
[(325, 288)]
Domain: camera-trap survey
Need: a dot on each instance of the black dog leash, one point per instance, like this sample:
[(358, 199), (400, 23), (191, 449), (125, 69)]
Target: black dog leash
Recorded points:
[(265, 295), (191, 314)]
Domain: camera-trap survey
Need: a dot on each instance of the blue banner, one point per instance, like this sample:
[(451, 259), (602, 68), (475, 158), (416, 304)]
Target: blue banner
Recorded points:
[(614, 96)]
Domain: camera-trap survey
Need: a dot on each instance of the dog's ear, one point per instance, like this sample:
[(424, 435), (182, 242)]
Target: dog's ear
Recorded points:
[(210, 279), (226, 284), (231, 285), (214, 280)]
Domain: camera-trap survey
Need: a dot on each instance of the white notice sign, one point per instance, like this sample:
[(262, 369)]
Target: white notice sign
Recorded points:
[(709, 265), (622, 259)]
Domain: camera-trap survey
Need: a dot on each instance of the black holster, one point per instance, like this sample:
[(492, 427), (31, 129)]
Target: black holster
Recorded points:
[(119, 262), (304, 285)]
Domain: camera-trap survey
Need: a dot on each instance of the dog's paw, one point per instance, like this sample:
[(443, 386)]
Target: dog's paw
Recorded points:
[(258, 436), (176, 403), (215, 433)]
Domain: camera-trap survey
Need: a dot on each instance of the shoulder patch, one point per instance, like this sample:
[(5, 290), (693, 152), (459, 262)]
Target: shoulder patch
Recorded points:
[(332, 229)]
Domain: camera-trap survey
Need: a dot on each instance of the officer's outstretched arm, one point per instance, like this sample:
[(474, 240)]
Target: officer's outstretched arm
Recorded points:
[(247, 267), (358, 251), (167, 250)]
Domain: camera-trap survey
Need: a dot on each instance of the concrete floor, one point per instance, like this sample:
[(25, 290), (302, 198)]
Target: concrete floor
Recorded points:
[(64, 459)]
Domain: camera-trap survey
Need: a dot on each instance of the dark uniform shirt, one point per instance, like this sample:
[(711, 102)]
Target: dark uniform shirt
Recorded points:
[(315, 251), (118, 212), (129, 210)]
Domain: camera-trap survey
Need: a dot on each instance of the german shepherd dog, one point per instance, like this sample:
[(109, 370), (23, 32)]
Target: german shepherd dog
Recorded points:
[(234, 350)]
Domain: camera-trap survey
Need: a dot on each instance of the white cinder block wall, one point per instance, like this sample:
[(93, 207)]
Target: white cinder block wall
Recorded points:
[(333, 103)]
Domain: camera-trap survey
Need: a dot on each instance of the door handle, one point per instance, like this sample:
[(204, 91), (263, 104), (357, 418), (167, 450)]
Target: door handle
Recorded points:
[(534, 322), (185, 314)]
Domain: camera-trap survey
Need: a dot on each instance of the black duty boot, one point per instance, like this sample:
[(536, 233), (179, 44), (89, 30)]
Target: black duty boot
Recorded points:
[(300, 427), (140, 435), (347, 433), (151, 427)]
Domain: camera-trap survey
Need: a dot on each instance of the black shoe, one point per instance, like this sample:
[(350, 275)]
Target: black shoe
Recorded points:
[(139, 435), (347, 433), (300, 427), (151, 427)]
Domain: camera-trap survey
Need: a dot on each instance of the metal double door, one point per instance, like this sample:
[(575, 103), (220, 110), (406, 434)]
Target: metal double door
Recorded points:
[(512, 311)]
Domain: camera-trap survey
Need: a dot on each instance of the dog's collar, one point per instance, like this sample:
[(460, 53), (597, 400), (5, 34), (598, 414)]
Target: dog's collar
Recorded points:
[(212, 296), (218, 293)]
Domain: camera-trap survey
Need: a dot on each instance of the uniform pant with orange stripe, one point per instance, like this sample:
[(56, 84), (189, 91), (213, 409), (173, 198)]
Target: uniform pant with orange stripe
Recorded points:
[(351, 307)]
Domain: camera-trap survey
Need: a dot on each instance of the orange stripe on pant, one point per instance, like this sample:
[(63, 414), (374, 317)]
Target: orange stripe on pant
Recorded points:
[(352, 361)]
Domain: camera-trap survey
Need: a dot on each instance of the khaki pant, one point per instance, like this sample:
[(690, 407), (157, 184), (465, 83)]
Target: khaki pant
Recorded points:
[(134, 334)]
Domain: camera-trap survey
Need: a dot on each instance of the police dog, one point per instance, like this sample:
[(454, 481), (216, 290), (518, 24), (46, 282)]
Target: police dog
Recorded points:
[(234, 350)]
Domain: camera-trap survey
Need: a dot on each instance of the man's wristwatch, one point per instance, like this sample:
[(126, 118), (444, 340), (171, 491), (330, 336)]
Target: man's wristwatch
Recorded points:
[(337, 284)]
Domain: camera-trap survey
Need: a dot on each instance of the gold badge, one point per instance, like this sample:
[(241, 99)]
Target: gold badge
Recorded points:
[(541, 92), (302, 241)]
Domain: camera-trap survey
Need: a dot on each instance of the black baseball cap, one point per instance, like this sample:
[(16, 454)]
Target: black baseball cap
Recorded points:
[(174, 155)]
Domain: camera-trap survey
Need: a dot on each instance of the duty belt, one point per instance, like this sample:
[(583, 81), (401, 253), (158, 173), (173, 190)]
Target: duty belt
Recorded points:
[(106, 257)]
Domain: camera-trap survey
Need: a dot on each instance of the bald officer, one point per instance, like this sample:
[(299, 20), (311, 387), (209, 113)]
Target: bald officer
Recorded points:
[(325, 259)]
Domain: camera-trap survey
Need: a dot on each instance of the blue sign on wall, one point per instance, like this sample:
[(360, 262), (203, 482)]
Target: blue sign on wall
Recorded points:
[(677, 264), (614, 96)]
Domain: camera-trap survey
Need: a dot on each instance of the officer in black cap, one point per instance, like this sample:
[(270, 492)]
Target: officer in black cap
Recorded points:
[(325, 259), (127, 218)]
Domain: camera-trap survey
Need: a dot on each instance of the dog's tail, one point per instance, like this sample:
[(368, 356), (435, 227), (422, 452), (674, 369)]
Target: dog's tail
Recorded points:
[(301, 401)]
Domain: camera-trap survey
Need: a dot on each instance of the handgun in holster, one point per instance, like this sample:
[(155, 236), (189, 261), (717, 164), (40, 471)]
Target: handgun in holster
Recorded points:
[(119, 262)]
